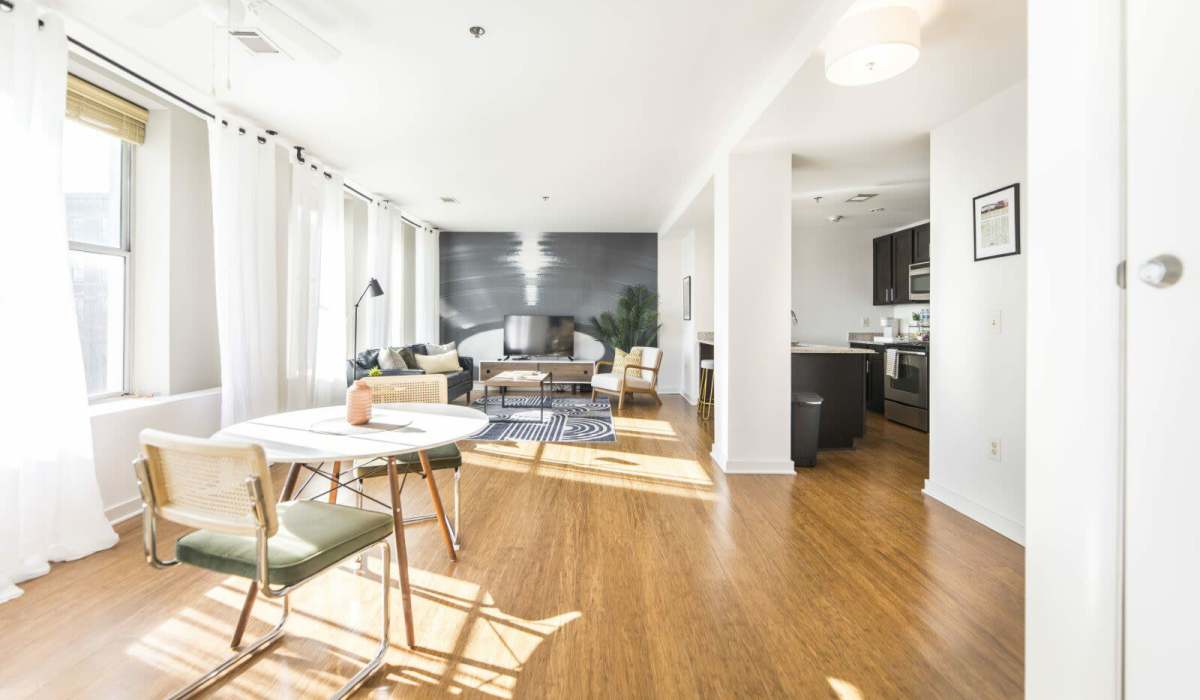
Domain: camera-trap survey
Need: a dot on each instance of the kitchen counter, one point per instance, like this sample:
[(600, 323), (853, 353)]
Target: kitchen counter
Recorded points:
[(813, 349)]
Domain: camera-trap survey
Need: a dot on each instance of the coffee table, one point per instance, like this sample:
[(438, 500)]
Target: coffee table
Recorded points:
[(520, 380)]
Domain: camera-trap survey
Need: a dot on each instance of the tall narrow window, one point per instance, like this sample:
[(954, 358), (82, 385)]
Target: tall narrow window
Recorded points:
[(96, 182)]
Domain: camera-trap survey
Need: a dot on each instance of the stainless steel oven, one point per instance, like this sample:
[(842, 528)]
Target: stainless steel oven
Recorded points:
[(918, 281), (907, 394)]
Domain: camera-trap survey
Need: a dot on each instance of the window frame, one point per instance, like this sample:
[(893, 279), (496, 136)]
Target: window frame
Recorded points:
[(124, 251)]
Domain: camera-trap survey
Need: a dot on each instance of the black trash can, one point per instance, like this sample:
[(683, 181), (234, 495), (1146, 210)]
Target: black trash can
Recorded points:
[(806, 426)]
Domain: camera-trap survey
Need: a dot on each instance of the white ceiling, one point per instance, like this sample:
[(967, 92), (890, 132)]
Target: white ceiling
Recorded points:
[(875, 138), (605, 106)]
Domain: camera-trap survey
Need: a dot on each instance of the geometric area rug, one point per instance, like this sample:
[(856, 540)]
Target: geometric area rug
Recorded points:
[(567, 420)]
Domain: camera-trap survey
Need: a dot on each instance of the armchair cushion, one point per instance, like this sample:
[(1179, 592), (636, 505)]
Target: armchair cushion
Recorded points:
[(312, 536), (611, 381)]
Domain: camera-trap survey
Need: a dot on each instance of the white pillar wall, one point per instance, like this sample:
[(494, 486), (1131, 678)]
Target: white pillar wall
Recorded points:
[(752, 259)]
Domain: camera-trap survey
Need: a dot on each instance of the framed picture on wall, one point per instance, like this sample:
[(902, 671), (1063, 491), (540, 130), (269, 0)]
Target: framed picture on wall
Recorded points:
[(998, 223), (687, 298)]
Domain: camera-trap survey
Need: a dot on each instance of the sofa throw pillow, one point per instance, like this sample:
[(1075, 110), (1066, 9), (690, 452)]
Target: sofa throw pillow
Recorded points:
[(410, 357), (445, 363), (435, 349), (621, 359), (392, 358)]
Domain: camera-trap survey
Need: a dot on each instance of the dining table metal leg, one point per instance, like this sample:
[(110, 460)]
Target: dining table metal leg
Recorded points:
[(289, 485), (401, 551), (437, 504)]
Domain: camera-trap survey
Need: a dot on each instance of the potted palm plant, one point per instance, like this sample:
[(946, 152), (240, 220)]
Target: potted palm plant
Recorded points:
[(633, 323)]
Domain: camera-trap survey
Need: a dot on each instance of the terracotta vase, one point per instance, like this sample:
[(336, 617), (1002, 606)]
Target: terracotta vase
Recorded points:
[(358, 403)]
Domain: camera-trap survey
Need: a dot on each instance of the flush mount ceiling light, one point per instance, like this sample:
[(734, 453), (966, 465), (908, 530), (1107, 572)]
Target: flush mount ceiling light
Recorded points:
[(872, 46), (477, 31), (860, 197)]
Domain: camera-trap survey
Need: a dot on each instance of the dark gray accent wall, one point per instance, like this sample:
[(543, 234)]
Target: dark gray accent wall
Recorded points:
[(485, 276)]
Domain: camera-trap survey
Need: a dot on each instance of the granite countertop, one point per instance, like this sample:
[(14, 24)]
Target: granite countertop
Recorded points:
[(813, 349)]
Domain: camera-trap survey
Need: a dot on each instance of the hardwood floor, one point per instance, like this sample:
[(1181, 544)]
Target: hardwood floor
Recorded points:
[(629, 569)]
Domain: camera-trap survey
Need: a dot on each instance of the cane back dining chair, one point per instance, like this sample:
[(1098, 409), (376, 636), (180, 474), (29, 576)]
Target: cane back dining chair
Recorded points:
[(421, 388), (225, 490)]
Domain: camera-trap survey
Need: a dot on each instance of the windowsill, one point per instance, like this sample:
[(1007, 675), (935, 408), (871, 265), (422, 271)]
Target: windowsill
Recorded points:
[(121, 404)]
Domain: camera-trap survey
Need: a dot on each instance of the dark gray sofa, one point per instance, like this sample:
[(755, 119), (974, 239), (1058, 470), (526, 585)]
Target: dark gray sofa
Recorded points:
[(457, 384)]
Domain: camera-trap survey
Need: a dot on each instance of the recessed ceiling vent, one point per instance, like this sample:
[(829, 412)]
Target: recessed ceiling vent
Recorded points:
[(862, 197), (449, 200), (255, 41)]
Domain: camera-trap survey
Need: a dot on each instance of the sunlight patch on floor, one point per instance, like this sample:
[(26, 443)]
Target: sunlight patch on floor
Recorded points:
[(644, 426), (844, 690)]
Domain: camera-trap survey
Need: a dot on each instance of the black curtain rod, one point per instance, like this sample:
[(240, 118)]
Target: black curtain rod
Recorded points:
[(132, 73)]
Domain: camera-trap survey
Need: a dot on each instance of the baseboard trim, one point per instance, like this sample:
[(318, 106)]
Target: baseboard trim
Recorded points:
[(981, 514), (783, 467), (123, 511)]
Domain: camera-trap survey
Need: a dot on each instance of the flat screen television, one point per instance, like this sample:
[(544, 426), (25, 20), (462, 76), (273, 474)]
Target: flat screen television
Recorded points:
[(539, 335)]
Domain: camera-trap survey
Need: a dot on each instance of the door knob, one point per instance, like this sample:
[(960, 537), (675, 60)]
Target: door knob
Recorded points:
[(1161, 271)]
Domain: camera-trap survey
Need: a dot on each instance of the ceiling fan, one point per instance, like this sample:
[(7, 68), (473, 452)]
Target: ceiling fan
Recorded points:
[(257, 24)]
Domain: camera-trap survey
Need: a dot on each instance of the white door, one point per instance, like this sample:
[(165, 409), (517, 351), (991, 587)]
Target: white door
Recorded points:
[(1162, 492)]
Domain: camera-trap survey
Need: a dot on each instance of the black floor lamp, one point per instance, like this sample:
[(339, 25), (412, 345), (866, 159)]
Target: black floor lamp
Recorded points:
[(374, 290)]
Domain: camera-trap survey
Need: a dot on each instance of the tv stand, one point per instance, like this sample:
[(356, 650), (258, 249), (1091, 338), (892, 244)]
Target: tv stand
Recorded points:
[(566, 371)]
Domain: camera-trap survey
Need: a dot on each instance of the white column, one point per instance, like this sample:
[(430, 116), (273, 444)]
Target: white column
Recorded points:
[(752, 259)]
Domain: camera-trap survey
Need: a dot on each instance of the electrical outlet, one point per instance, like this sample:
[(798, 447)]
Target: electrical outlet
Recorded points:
[(994, 322), (994, 449)]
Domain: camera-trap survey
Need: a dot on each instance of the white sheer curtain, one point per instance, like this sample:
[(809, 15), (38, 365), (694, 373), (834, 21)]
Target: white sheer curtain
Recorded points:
[(50, 507), (428, 288), (385, 315), (316, 294), (245, 261)]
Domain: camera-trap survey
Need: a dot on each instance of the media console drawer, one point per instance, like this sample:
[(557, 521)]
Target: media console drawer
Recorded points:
[(565, 372)]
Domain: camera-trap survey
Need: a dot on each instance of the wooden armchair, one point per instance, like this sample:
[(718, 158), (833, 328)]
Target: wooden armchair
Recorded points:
[(636, 379)]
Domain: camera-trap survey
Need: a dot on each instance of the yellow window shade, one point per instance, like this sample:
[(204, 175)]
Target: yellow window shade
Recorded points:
[(100, 109)]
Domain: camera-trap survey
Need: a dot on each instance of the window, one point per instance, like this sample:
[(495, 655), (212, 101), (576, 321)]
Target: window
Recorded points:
[(96, 178)]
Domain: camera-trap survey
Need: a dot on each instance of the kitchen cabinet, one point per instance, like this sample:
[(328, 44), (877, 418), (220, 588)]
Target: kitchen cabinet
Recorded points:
[(875, 368), (883, 270), (921, 243), (892, 254), (902, 257)]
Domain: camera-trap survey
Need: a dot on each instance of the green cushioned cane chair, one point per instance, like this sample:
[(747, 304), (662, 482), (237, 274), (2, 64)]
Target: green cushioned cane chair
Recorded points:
[(428, 388), (225, 490)]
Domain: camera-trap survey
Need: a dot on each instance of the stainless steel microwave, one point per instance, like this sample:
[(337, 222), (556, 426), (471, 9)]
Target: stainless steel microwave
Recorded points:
[(918, 281)]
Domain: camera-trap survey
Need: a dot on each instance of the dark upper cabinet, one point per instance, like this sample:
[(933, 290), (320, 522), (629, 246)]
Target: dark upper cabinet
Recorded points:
[(883, 270), (921, 243), (902, 257), (893, 254)]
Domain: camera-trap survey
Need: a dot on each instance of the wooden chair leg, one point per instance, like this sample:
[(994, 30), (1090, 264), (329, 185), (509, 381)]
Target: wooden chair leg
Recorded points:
[(401, 551), (337, 475), (437, 504), (655, 395), (289, 485), (621, 402)]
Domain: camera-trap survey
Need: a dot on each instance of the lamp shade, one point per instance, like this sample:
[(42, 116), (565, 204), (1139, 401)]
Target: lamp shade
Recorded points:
[(873, 46), (374, 289)]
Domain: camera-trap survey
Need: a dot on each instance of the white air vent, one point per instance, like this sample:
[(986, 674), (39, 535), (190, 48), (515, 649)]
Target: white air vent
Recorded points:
[(255, 41), (861, 197), (449, 200)]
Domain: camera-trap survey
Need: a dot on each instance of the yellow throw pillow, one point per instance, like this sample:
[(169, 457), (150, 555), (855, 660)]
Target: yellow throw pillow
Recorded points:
[(621, 359), (446, 363)]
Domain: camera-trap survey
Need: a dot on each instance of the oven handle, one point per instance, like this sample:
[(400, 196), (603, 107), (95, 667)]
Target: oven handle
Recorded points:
[(910, 352)]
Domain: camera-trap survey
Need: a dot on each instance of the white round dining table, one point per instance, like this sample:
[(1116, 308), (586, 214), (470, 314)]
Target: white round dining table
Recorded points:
[(309, 438)]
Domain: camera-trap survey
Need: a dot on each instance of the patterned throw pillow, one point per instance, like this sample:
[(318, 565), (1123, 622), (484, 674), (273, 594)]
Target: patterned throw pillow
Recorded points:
[(392, 358), (621, 359)]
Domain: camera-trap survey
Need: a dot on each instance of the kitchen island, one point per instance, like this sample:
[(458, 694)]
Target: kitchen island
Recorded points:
[(838, 374)]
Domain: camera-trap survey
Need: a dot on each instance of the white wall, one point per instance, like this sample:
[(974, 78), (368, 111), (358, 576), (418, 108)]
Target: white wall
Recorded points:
[(977, 385), (115, 429), (832, 285), (672, 335)]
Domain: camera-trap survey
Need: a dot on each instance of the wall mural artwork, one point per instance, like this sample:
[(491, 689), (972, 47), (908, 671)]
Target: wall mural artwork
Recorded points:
[(485, 276)]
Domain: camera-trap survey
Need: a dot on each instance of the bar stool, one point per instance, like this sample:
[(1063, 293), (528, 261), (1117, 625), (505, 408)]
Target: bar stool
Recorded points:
[(706, 388)]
